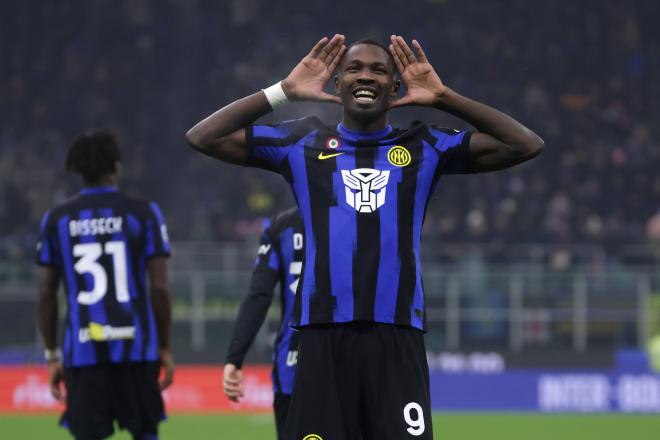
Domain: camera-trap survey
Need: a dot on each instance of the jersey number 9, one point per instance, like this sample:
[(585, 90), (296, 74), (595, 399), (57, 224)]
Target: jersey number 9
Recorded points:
[(415, 424)]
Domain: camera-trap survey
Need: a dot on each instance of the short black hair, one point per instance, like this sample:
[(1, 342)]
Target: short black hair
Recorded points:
[(93, 155), (371, 41), (374, 42)]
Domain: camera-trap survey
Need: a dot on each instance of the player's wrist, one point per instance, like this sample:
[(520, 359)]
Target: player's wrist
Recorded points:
[(165, 354), (443, 97), (233, 364), (276, 94), (53, 355)]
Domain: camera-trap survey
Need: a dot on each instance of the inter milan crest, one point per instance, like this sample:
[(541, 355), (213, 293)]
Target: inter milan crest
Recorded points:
[(398, 156), (332, 143)]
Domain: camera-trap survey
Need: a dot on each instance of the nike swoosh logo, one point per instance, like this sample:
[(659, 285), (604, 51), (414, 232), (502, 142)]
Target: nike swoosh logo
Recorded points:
[(328, 156)]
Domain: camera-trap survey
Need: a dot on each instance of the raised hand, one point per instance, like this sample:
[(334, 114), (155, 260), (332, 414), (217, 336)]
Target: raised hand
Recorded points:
[(423, 85), (307, 79)]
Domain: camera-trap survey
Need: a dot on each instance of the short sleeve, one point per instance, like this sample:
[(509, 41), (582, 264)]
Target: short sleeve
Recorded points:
[(269, 144), (46, 246), (266, 254), (157, 239), (453, 147)]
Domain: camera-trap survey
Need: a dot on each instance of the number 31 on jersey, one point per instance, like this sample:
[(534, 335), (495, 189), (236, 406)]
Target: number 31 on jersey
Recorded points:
[(89, 254)]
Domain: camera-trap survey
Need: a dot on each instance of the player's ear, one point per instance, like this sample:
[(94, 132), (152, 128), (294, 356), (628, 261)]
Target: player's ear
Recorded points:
[(396, 85), (337, 83)]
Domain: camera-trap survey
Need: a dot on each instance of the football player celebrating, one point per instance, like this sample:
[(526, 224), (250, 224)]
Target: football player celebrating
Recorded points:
[(362, 187)]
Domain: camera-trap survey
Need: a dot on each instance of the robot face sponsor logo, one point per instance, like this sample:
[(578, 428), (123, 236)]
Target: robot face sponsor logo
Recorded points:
[(365, 188), (312, 437)]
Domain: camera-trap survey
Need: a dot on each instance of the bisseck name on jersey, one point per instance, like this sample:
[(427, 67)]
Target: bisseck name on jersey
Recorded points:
[(95, 226)]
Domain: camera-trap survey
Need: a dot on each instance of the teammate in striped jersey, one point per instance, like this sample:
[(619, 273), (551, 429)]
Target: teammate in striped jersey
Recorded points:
[(103, 245), (279, 260), (362, 188)]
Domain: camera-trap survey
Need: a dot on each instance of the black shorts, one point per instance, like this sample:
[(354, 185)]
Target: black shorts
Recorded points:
[(98, 395), (360, 379), (281, 407)]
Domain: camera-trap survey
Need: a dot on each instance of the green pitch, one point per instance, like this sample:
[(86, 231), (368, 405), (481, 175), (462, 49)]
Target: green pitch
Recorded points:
[(446, 426)]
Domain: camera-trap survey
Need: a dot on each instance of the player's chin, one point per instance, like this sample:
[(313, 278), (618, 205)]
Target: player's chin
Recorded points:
[(366, 110)]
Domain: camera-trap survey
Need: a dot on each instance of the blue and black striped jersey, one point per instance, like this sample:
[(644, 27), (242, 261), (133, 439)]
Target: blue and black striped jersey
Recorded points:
[(363, 198), (99, 241), (279, 261)]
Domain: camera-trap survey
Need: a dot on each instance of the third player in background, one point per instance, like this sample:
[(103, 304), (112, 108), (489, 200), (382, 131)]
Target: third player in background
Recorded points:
[(279, 260)]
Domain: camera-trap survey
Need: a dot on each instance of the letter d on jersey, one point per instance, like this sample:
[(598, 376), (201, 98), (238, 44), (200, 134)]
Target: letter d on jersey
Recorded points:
[(365, 188)]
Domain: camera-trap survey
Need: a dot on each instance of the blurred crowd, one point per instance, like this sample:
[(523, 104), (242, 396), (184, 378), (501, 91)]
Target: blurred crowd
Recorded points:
[(583, 75)]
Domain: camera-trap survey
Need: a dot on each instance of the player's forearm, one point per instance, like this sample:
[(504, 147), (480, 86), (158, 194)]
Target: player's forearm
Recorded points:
[(162, 306), (47, 318), (47, 281), (239, 114), (488, 120), (251, 316)]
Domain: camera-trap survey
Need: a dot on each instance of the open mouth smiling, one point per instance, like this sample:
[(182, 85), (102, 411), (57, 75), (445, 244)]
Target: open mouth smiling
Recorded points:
[(365, 95)]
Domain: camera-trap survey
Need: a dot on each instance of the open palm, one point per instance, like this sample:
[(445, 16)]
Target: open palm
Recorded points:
[(423, 84), (307, 79)]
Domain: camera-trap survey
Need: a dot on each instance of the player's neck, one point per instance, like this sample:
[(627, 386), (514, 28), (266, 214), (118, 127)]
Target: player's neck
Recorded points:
[(105, 181), (364, 125)]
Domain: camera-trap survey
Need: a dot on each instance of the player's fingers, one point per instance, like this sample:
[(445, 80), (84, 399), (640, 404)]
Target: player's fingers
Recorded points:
[(332, 55), (403, 60), (316, 50), (397, 61), (420, 52), (333, 64), (56, 391), (231, 384), (231, 392), (232, 389), (167, 380), (408, 53), (164, 383), (326, 54), (55, 377), (232, 380)]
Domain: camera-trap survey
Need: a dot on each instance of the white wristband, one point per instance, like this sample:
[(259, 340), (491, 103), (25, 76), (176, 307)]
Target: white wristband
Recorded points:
[(276, 96), (53, 355)]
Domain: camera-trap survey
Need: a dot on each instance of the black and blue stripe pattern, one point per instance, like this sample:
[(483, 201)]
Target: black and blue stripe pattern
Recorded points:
[(283, 245), (362, 245), (99, 241)]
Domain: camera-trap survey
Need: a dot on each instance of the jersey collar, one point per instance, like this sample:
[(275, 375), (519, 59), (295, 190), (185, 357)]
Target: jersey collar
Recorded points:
[(98, 190), (361, 135)]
